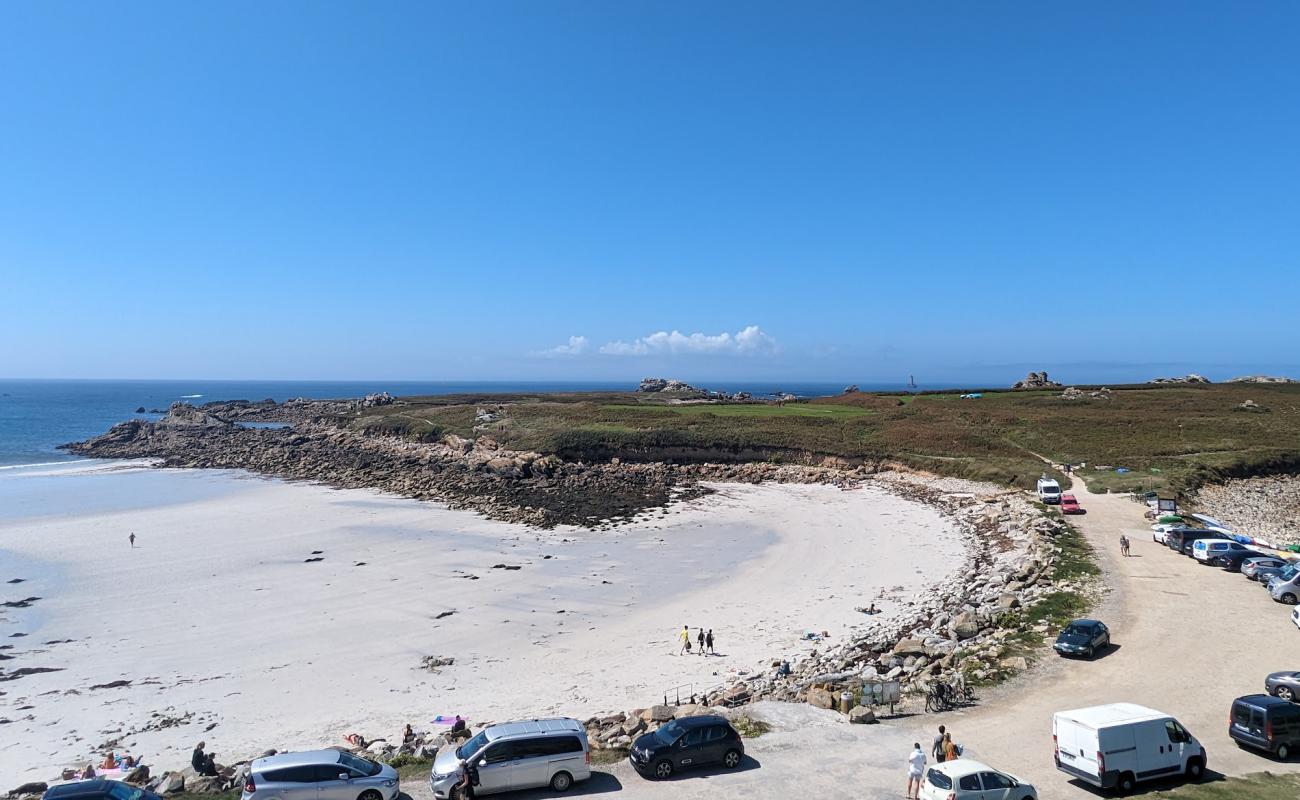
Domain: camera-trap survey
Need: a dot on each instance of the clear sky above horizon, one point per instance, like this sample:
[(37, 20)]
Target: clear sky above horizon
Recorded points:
[(593, 190)]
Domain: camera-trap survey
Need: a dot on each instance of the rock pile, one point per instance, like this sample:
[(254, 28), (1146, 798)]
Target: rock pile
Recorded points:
[(669, 385), (1190, 377), (1250, 405), (1267, 508), (1036, 380), (1072, 393)]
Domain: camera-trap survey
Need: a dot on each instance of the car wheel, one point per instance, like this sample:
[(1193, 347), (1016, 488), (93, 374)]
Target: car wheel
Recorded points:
[(370, 794), (1283, 752), (664, 770), (1195, 769), (1285, 693), (1091, 651), (561, 781), (731, 759), (1126, 783), (1289, 599)]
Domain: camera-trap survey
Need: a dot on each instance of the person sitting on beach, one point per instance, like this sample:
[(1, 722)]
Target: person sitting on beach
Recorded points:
[(110, 761), (871, 609), (210, 766), (197, 759), (408, 735), (128, 762), (459, 725), (88, 772)]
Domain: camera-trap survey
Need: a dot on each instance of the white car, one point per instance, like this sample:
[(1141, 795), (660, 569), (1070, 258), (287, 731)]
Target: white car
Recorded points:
[(968, 779), (1158, 531)]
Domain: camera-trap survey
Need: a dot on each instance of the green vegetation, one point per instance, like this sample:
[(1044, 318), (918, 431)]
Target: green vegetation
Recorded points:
[(748, 727), (1170, 438), (1262, 786)]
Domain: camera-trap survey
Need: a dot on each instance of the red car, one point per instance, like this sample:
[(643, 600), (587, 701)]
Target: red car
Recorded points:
[(1069, 505)]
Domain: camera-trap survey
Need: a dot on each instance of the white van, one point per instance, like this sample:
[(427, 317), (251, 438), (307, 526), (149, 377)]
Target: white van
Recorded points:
[(1206, 550), (517, 755), (1049, 491), (1114, 746)]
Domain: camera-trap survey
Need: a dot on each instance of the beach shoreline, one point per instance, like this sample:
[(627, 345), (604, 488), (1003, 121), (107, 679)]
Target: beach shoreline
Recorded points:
[(225, 628)]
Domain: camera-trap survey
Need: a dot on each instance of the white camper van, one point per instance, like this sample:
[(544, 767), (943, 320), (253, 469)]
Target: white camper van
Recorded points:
[(1049, 491), (1114, 746)]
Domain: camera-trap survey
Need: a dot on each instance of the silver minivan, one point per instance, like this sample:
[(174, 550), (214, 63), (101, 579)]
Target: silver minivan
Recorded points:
[(320, 775), (517, 755)]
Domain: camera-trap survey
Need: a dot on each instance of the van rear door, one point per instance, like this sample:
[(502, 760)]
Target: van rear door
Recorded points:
[(1076, 747)]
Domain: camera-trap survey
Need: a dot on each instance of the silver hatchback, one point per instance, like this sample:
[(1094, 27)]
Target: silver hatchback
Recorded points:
[(320, 775)]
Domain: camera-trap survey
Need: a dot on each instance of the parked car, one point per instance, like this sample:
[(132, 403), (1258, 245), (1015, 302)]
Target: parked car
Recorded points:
[(1285, 589), (320, 775), (517, 755), (1250, 565), (687, 743), (1285, 685), (1069, 505), (1265, 723), (1231, 561), (1114, 746), (1266, 575), (1049, 491), (1082, 637), (98, 789), (1205, 550), (1182, 539), (968, 779), (1161, 530)]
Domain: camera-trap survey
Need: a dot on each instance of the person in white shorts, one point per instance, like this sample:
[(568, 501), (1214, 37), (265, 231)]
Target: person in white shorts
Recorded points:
[(915, 766)]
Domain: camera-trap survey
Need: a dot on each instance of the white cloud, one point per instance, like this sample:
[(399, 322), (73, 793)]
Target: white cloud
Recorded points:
[(577, 346), (750, 341)]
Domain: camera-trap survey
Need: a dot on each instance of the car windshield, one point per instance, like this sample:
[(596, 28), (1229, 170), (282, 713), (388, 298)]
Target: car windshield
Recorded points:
[(1075, 630), (363, 765), (670, 732), (472, 746), (1287, 573), (121, 791)]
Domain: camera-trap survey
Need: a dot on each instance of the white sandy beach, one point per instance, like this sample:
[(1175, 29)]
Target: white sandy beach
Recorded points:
[(218, 620)]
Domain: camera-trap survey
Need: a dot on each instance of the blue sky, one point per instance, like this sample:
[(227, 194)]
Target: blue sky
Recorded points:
[(570, 190)]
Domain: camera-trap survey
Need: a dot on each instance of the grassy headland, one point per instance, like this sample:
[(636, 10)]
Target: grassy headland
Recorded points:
[(1167, 437)]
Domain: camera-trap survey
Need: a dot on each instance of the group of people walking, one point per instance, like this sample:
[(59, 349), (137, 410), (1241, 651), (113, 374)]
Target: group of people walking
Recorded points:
[(705, 640), (943, 749)]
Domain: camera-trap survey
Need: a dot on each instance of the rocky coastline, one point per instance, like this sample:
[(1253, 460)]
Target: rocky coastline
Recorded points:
[(1266, 507)]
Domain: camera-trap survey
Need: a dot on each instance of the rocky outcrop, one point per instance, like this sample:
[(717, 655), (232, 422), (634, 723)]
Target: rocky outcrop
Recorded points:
[(1251, 405), (182, 415), (668, 385), (1036, 380), (1190, 377), (1262, 379)]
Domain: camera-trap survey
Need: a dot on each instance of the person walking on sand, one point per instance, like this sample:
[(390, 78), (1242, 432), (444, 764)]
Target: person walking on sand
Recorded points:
[(915, 766), (936, 749), (132, 538), (1123, 545), (708, 641), (686, 641), (700, 641)]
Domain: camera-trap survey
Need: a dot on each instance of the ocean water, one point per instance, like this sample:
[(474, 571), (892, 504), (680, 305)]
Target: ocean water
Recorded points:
[(36, 416)]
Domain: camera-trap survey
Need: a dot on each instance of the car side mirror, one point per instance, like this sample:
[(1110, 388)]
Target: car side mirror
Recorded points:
[(343, 776)]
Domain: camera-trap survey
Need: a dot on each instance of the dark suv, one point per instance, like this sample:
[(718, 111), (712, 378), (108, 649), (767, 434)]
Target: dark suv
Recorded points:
[(1181, 539), (685, 743), (1265, 723)]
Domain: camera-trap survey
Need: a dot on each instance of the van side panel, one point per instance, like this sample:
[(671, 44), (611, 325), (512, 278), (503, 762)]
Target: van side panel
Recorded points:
[(1119, 749)]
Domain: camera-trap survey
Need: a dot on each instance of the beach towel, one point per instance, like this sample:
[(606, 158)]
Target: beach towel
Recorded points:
[(445, 719)]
